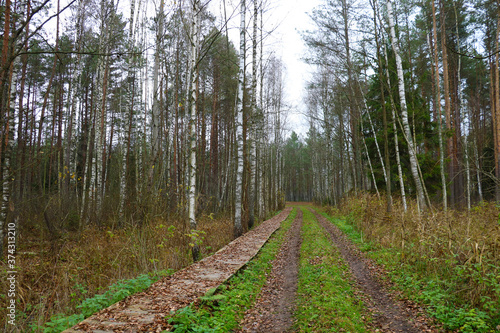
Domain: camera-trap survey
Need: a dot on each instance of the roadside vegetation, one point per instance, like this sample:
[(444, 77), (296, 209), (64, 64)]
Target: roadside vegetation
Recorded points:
[(57, 275), (223, 309), (326, 301), (447, 261), (89, 306)]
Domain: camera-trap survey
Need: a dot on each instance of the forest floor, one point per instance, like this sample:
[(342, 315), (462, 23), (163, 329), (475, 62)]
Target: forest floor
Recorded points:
[(147, 311), (316, 281)]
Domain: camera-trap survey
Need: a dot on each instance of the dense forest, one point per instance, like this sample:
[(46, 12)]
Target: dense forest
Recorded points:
[(115, 117), (119, 116), (404, 100)]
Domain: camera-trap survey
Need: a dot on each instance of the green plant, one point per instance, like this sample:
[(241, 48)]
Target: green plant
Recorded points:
[(448, 289), (221, 309), (325, 300), (89, 306)]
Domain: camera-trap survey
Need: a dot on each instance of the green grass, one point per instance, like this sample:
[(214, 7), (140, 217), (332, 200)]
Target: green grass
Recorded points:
[(425, 287), (89, 306), (222, 310), (325, 298)]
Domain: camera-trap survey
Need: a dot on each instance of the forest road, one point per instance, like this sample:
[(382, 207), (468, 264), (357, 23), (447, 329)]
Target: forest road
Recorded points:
[(389, 315), (273, 311), (275, 304)]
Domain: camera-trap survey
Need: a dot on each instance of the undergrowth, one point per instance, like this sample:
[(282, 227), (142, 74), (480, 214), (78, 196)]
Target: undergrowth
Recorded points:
[(89, 306), (222, 310), (325, 300), (449, 262), (56, 275)]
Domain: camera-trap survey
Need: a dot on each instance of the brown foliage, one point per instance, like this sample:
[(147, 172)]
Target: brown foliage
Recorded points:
[(438, 242), (56, 274)]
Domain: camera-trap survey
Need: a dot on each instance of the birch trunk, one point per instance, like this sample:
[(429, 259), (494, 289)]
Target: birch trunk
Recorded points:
[(374, 134), (369, 161), (438, 107), (262, 150), (387, 169), (192, 167), (131, 95), (447, 108), (404, 111), (252, 127), (99, 127), (72, 94), (460, 103), (238, 229)]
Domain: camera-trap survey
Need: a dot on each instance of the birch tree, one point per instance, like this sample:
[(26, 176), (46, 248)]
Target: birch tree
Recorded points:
[(404, 111), (253, 123), (238, 226), (438, 108), (192, 122)]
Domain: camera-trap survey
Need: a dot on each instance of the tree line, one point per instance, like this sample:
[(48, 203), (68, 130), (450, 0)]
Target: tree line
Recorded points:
[(405, 101), (115, 116)]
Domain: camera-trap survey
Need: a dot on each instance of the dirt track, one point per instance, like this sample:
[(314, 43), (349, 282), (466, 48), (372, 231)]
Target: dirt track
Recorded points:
[(273, 311), (390, 315)]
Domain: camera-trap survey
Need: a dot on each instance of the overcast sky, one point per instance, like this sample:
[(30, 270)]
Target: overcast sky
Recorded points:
[(287, 18), (291, 49)]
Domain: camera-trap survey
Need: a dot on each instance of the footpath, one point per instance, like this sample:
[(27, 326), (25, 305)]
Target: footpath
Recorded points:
[(146, 311)]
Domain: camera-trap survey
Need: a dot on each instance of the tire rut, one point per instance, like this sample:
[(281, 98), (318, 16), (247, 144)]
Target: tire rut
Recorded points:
[(273, 311), (389, 316)]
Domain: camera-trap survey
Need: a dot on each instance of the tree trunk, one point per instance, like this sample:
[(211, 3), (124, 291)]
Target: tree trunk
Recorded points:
[(192, 134), (437, 106), (155, 119), (253, 119), (396, 140), (496, 110), (238, 226), (404, 111), (384, 113)]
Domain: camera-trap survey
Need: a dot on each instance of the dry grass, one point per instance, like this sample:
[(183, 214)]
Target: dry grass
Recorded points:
[(440, 244), (55, 275)]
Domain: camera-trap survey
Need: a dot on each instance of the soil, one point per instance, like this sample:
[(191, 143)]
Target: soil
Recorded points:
[(275, 305), (390, 314)]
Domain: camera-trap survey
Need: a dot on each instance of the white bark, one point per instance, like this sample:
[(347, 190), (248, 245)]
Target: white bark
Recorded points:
[(404, 111), (478, 172), (262, 151), (369, 161), (73, 84), (125, 118), (192, 121), (438, 104), (252, 127), (238, 228), (460, 103), (374, 134), (100, 116), (7, 150), (155, 119)]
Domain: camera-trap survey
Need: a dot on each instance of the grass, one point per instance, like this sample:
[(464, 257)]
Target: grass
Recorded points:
[(222, 310), (325, 298), (56, 275), (459, 288), (89, 306)]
